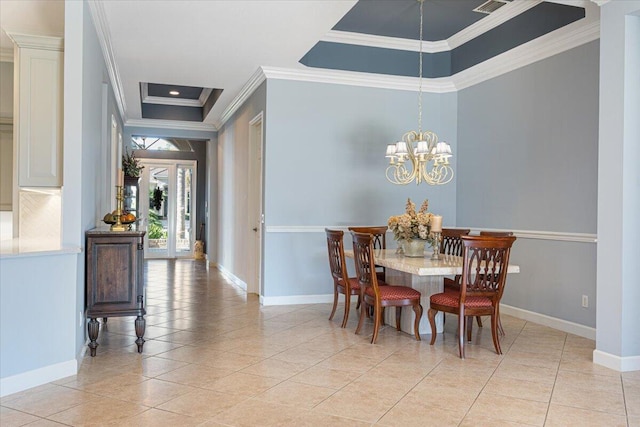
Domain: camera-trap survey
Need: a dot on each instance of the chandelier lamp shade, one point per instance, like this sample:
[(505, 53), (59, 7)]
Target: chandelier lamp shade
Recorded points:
[(419, 156)]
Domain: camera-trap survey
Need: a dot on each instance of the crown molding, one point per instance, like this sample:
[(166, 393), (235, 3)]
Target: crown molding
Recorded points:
[(252, 84), (99, 18), (37, 42), (384, 42), (6, 54), (543, 47), (600, 2), (351, 78), (560, 40), (171, 124)]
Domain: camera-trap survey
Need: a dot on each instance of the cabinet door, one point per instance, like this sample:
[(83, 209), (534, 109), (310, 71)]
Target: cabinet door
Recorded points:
[(39, 131), (114, 276)]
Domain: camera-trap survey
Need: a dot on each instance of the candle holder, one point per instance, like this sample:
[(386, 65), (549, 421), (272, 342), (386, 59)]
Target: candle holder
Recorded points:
[(118, 225), (436, 247)]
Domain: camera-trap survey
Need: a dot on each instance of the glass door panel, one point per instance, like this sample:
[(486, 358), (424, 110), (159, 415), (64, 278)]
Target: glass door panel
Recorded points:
[(184, 208), (167, 207), (158, 213)]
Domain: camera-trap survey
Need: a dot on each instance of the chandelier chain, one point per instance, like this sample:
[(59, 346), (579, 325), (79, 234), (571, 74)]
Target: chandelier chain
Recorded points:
[(419, 156), (420, 73)]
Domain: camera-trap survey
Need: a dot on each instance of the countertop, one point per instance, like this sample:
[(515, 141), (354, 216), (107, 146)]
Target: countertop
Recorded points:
[(20, 247)]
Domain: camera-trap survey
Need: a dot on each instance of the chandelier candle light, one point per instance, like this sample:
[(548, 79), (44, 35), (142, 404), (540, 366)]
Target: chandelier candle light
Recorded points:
[(410, 159), (436, 229)]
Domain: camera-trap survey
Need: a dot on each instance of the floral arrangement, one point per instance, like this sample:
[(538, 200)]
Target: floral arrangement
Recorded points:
[(412, 224), (131, 165)]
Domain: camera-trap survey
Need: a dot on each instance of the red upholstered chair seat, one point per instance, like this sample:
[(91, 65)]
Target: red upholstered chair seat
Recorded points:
[(391, 293), (452, 299), (353, 281)]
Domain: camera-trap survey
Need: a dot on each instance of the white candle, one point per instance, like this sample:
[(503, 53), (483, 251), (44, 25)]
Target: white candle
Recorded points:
[(120, 178), (436, 223)]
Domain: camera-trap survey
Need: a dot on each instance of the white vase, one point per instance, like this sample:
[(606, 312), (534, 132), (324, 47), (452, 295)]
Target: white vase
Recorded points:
[(414, 247)]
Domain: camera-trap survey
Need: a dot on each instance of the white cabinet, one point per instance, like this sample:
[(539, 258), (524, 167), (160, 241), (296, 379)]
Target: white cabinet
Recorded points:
[(38, 84)]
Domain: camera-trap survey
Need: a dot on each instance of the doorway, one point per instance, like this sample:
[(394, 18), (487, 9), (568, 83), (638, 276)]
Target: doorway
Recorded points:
[(256, 217), (167, 203)]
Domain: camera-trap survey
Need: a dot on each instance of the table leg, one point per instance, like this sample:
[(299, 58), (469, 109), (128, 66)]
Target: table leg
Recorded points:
[(93, 327), (140, 325), (427, 285)]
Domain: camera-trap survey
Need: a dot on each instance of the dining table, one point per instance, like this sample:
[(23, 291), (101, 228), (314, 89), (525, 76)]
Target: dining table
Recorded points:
[(423, 274)]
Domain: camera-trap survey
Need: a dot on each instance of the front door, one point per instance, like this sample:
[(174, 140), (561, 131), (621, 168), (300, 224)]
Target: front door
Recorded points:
[(168, 208)]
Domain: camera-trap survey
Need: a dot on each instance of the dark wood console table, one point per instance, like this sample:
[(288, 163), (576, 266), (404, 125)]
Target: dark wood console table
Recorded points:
[(114, 280)]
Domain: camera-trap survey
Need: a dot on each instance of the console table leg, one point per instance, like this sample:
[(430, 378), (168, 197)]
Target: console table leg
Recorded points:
[(93, 327), (140, 327)]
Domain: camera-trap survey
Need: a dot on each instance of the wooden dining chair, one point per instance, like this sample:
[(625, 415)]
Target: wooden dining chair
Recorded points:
[(373, 294), (452, 245), (342, 283), (379, 234), (484, 272), (497, 234)]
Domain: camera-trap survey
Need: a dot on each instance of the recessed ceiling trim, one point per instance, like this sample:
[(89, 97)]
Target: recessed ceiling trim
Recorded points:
[(204, 95), (490, 22), (493, 20), (178, 102), (361, 39), (170, 124), (104, 38)]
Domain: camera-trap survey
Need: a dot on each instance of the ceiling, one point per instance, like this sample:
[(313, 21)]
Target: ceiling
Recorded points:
[(212, 49)]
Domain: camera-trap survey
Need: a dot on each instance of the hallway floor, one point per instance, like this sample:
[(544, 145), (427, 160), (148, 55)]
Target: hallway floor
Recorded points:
[(215, 357)]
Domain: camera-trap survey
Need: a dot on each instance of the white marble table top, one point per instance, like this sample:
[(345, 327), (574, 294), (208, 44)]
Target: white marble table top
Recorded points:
[(423, 266)]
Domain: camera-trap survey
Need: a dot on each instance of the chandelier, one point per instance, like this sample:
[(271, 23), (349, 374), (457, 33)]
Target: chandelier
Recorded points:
[(419, 156)]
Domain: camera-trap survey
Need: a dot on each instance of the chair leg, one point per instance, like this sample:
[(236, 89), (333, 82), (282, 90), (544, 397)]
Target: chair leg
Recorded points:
[(377, 318), (417, 308), (494, 333), (381, 316), (431, 314), (347, 307), (358, 305), (461, 327), (469, 323), (363, 311), (479, 320), (500, 329), (398, 316), (335, 303)]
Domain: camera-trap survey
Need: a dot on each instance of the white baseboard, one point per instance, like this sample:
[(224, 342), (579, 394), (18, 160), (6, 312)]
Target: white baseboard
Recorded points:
[(229, 275), (297, 299), (36, 377), (552, 322), (617, 363)]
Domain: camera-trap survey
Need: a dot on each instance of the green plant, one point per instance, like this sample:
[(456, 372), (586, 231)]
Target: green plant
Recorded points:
[(131, 165), (154, 229)]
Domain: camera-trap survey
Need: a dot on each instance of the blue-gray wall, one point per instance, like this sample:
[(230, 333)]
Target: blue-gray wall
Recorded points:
[(528, 160), (325, 166), (235, 237)]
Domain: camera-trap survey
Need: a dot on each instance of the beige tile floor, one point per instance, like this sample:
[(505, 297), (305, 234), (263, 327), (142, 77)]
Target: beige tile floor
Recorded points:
[(215, 357)]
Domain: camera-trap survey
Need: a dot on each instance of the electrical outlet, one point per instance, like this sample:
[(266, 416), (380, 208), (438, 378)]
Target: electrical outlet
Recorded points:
[(585, 301)]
